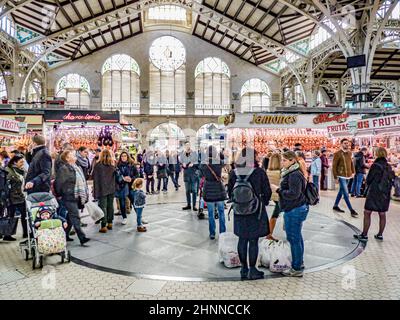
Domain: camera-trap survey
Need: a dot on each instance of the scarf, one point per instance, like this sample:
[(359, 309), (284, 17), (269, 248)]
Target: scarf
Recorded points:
[(81, 189), (82, 161), (292, 168)]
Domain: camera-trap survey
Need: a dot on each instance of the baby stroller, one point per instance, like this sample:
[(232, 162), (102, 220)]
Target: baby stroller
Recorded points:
[(50, 238)]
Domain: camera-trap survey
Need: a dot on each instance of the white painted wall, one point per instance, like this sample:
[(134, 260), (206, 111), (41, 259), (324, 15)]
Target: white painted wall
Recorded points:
[(138, 48)]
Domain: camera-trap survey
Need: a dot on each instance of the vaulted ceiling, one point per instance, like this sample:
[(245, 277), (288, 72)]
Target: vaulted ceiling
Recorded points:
[(279, 21)]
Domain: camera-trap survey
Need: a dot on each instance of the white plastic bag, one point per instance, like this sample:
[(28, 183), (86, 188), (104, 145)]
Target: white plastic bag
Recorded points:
[(280, 256), (264, 250), (227, 250), (94, 211)]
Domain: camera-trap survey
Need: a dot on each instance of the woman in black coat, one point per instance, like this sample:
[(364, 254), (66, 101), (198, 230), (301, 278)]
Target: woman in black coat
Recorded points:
[(214, 190), (16, 179), (249, 228), (380, 181), (70, 185)]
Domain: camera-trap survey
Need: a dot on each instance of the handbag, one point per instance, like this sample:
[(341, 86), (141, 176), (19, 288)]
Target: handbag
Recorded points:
[(8, 225)]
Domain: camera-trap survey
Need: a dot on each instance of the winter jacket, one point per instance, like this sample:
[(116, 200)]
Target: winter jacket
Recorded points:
[(190, 174), (342, 165), (104, 180), (65, 181), (148, 168), (139, 199), (16, 179), (39, 172), (126, 170), (316, 166), (251, 227), (162, 165), (376, 199), (360, 165), (213, 189), (291, 191), (274, 177)]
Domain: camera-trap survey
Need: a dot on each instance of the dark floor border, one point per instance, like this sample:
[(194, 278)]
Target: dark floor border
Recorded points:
[(357, 251)]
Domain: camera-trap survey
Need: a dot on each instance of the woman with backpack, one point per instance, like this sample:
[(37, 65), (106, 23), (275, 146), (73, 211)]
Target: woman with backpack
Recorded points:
[(293, 203), (250, 181), (380, 181), (214, 190)]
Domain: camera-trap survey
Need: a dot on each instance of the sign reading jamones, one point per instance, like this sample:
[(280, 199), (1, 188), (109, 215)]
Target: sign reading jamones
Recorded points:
[(81, 116)]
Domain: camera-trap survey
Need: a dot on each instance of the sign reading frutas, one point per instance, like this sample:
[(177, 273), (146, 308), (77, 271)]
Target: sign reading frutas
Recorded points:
[(331, 117), (9, 125), (274, 119)]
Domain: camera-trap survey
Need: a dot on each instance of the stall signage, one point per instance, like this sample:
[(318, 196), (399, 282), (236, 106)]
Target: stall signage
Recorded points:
[(81, 116), (339, 128), (331, 117), (385, 122), (274, 119), (9, 125)]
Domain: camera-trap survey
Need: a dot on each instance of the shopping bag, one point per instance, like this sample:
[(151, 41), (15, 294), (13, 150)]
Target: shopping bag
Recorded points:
[(51, 240), (280, 256), (227, 250), (94, 211), (265, 246), (8, 226)]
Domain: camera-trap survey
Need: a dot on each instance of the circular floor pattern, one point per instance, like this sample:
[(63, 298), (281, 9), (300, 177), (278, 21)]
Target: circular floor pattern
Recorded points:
[(177, 247)]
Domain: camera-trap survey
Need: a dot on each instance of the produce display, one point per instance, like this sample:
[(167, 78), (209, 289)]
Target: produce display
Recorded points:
[(265, 140), (89, 137)]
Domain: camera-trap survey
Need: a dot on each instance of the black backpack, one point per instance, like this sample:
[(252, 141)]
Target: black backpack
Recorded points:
[(244, 199), (311, 193), (4, 189)]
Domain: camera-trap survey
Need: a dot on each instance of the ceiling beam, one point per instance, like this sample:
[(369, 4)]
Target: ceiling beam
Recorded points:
[(11, 7)]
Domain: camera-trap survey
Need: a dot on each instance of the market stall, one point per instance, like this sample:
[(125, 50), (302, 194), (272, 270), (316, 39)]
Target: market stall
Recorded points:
[(91, 129), (269, 131), (371, 132), (10, 134)]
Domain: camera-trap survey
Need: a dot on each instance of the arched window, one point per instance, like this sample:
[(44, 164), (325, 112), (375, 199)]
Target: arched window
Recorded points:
[(121, 85), (167, 136), (211, 134), (75, 89), (3, 88), (212, 85), (167, 76), (255, 96)]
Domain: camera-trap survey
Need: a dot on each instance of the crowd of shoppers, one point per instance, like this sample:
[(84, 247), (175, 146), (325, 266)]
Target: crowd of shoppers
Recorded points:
[(281, 176)]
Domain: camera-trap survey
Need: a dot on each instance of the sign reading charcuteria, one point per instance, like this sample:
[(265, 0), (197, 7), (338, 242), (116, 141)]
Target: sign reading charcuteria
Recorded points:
[(81, 116)]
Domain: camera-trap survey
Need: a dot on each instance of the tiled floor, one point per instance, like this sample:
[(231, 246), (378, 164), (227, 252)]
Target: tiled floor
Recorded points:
[(372, 275), (177, 245)]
